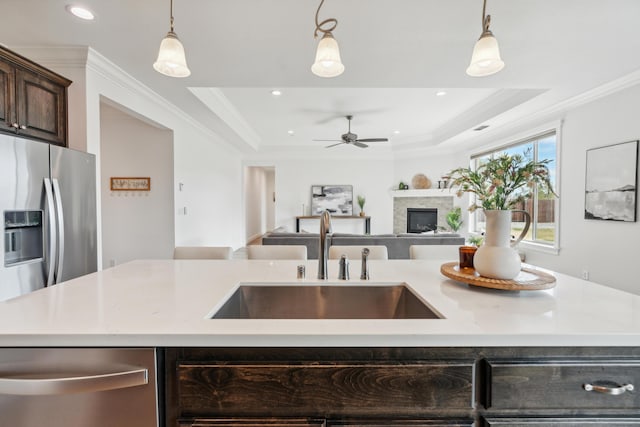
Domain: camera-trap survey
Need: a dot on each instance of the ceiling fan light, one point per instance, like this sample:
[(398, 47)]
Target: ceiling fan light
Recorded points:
[(328, 62), (485, 59), (171, 58)]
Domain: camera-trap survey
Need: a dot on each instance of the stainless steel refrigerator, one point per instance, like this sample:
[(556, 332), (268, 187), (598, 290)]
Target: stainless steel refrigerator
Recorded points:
[(48, 204)]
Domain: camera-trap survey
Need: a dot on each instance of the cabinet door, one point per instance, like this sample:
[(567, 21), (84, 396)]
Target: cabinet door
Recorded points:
[(256, 422), (7, 92), (41, 107), (562, 422)]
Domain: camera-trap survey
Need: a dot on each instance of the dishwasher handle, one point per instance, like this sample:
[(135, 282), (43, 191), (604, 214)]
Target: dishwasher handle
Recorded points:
[(29, 386)]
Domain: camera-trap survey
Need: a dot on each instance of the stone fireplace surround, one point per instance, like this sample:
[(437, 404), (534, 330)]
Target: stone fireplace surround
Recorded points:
[(419, 199)]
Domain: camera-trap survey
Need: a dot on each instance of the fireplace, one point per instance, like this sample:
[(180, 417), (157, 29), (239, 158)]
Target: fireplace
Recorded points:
[(420, 220)]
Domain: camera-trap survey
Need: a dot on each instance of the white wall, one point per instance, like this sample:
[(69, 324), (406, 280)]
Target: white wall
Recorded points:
[(607, 250), (370, 176), (208, 167), (135, 225)]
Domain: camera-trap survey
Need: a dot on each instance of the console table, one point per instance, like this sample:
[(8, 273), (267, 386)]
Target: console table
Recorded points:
[(367, 221)]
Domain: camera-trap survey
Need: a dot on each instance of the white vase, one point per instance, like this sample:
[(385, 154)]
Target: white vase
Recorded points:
[(496, 258)]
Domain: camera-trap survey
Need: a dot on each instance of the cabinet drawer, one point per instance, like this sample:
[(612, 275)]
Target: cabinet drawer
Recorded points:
[(402, 423), (562, 422), (561, 384), (323, 389), (258, 422)]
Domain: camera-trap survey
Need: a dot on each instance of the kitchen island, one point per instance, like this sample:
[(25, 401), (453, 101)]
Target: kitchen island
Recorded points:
[(567, 356), (161, 303)]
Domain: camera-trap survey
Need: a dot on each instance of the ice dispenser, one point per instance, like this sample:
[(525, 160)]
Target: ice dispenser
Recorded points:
[(23, 237)]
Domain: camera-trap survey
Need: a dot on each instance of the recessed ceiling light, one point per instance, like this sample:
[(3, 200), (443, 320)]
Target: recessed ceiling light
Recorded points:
[(290, 132), (396, 132), (81, 12), (441, 93), (276, 92)]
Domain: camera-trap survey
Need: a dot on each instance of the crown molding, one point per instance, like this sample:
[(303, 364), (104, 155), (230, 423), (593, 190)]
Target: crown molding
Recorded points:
[(56, 56), (84, 57), (99, 64), (219, 104), (550, 115)]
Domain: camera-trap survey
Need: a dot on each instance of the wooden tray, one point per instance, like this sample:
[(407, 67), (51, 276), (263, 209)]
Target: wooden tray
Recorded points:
[(529, 279)]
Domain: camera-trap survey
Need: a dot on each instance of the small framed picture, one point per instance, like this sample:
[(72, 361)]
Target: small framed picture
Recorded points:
[(130, 184), (611, 182)]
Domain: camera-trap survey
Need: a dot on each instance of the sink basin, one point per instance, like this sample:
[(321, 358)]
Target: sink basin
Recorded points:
[(295, 301)]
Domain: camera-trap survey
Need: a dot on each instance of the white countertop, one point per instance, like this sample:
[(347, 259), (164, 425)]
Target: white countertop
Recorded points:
[(165, 303)]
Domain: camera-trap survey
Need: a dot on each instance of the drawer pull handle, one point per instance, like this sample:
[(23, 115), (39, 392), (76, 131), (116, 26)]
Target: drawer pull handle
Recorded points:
[(613, 391)]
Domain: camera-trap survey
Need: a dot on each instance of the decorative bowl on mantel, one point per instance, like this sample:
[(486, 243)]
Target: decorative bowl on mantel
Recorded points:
[(420, 182)]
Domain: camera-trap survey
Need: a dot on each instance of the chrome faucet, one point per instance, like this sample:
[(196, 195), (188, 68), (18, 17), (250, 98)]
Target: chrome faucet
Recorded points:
[(323, 253)]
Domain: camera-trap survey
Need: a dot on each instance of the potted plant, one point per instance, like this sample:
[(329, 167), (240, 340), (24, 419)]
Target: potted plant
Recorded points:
[(498, 184), (361, 201), (454, 219)]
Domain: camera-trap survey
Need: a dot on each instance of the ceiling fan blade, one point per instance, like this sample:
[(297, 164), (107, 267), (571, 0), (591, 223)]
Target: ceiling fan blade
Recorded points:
[(333, 145), (326, 140), (359, 144), (373, 140)]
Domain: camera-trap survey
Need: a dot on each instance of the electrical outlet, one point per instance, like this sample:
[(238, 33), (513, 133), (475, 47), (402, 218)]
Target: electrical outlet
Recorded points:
[(585, 274)]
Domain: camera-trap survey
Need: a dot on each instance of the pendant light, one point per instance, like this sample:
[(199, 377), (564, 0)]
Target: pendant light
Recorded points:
[(171, 59), (327, 63), (486, 53)]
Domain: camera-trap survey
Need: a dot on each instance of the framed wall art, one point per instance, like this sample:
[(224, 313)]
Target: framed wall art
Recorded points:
[(611, 182), (130, 184), (337, 199)]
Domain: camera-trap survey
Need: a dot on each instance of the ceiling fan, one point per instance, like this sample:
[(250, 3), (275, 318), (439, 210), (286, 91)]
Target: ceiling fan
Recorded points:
[(352, 138)]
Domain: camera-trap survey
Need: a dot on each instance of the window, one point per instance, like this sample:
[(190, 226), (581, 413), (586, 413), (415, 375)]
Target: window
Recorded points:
[(542, 207)]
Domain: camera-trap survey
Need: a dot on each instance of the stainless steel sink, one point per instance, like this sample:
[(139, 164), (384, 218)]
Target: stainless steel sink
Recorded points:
[(295, 301)]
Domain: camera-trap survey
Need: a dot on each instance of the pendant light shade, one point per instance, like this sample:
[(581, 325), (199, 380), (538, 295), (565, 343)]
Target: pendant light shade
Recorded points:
[(171, 58), (327, 63), (485, 59)]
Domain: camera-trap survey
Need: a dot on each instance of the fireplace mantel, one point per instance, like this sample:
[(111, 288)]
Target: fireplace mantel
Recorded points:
[(432, 192)]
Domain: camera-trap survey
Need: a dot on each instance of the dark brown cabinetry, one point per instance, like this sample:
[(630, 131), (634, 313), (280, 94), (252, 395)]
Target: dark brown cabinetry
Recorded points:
[(33, 100), (408, 387)]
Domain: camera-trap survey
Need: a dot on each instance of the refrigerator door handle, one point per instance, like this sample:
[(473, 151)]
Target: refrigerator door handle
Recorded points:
[(60, 231), (80, 384), (53, 241)]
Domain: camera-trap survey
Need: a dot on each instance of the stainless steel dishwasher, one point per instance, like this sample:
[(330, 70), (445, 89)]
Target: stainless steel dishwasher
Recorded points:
[(57, 387)]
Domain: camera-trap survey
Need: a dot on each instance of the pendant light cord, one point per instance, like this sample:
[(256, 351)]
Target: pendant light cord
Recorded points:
[(171, 14), (319, 25), (486, 19)]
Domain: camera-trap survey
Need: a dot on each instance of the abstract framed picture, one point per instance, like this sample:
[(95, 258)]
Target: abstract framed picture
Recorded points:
[(611, 182), (337, 199)]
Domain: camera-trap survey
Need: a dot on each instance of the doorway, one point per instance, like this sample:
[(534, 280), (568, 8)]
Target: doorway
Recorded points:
[(135, 224), (260, 201)]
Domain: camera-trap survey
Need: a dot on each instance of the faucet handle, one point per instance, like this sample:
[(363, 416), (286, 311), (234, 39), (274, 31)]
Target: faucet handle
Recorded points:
[(343, 273), (364, 273)]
